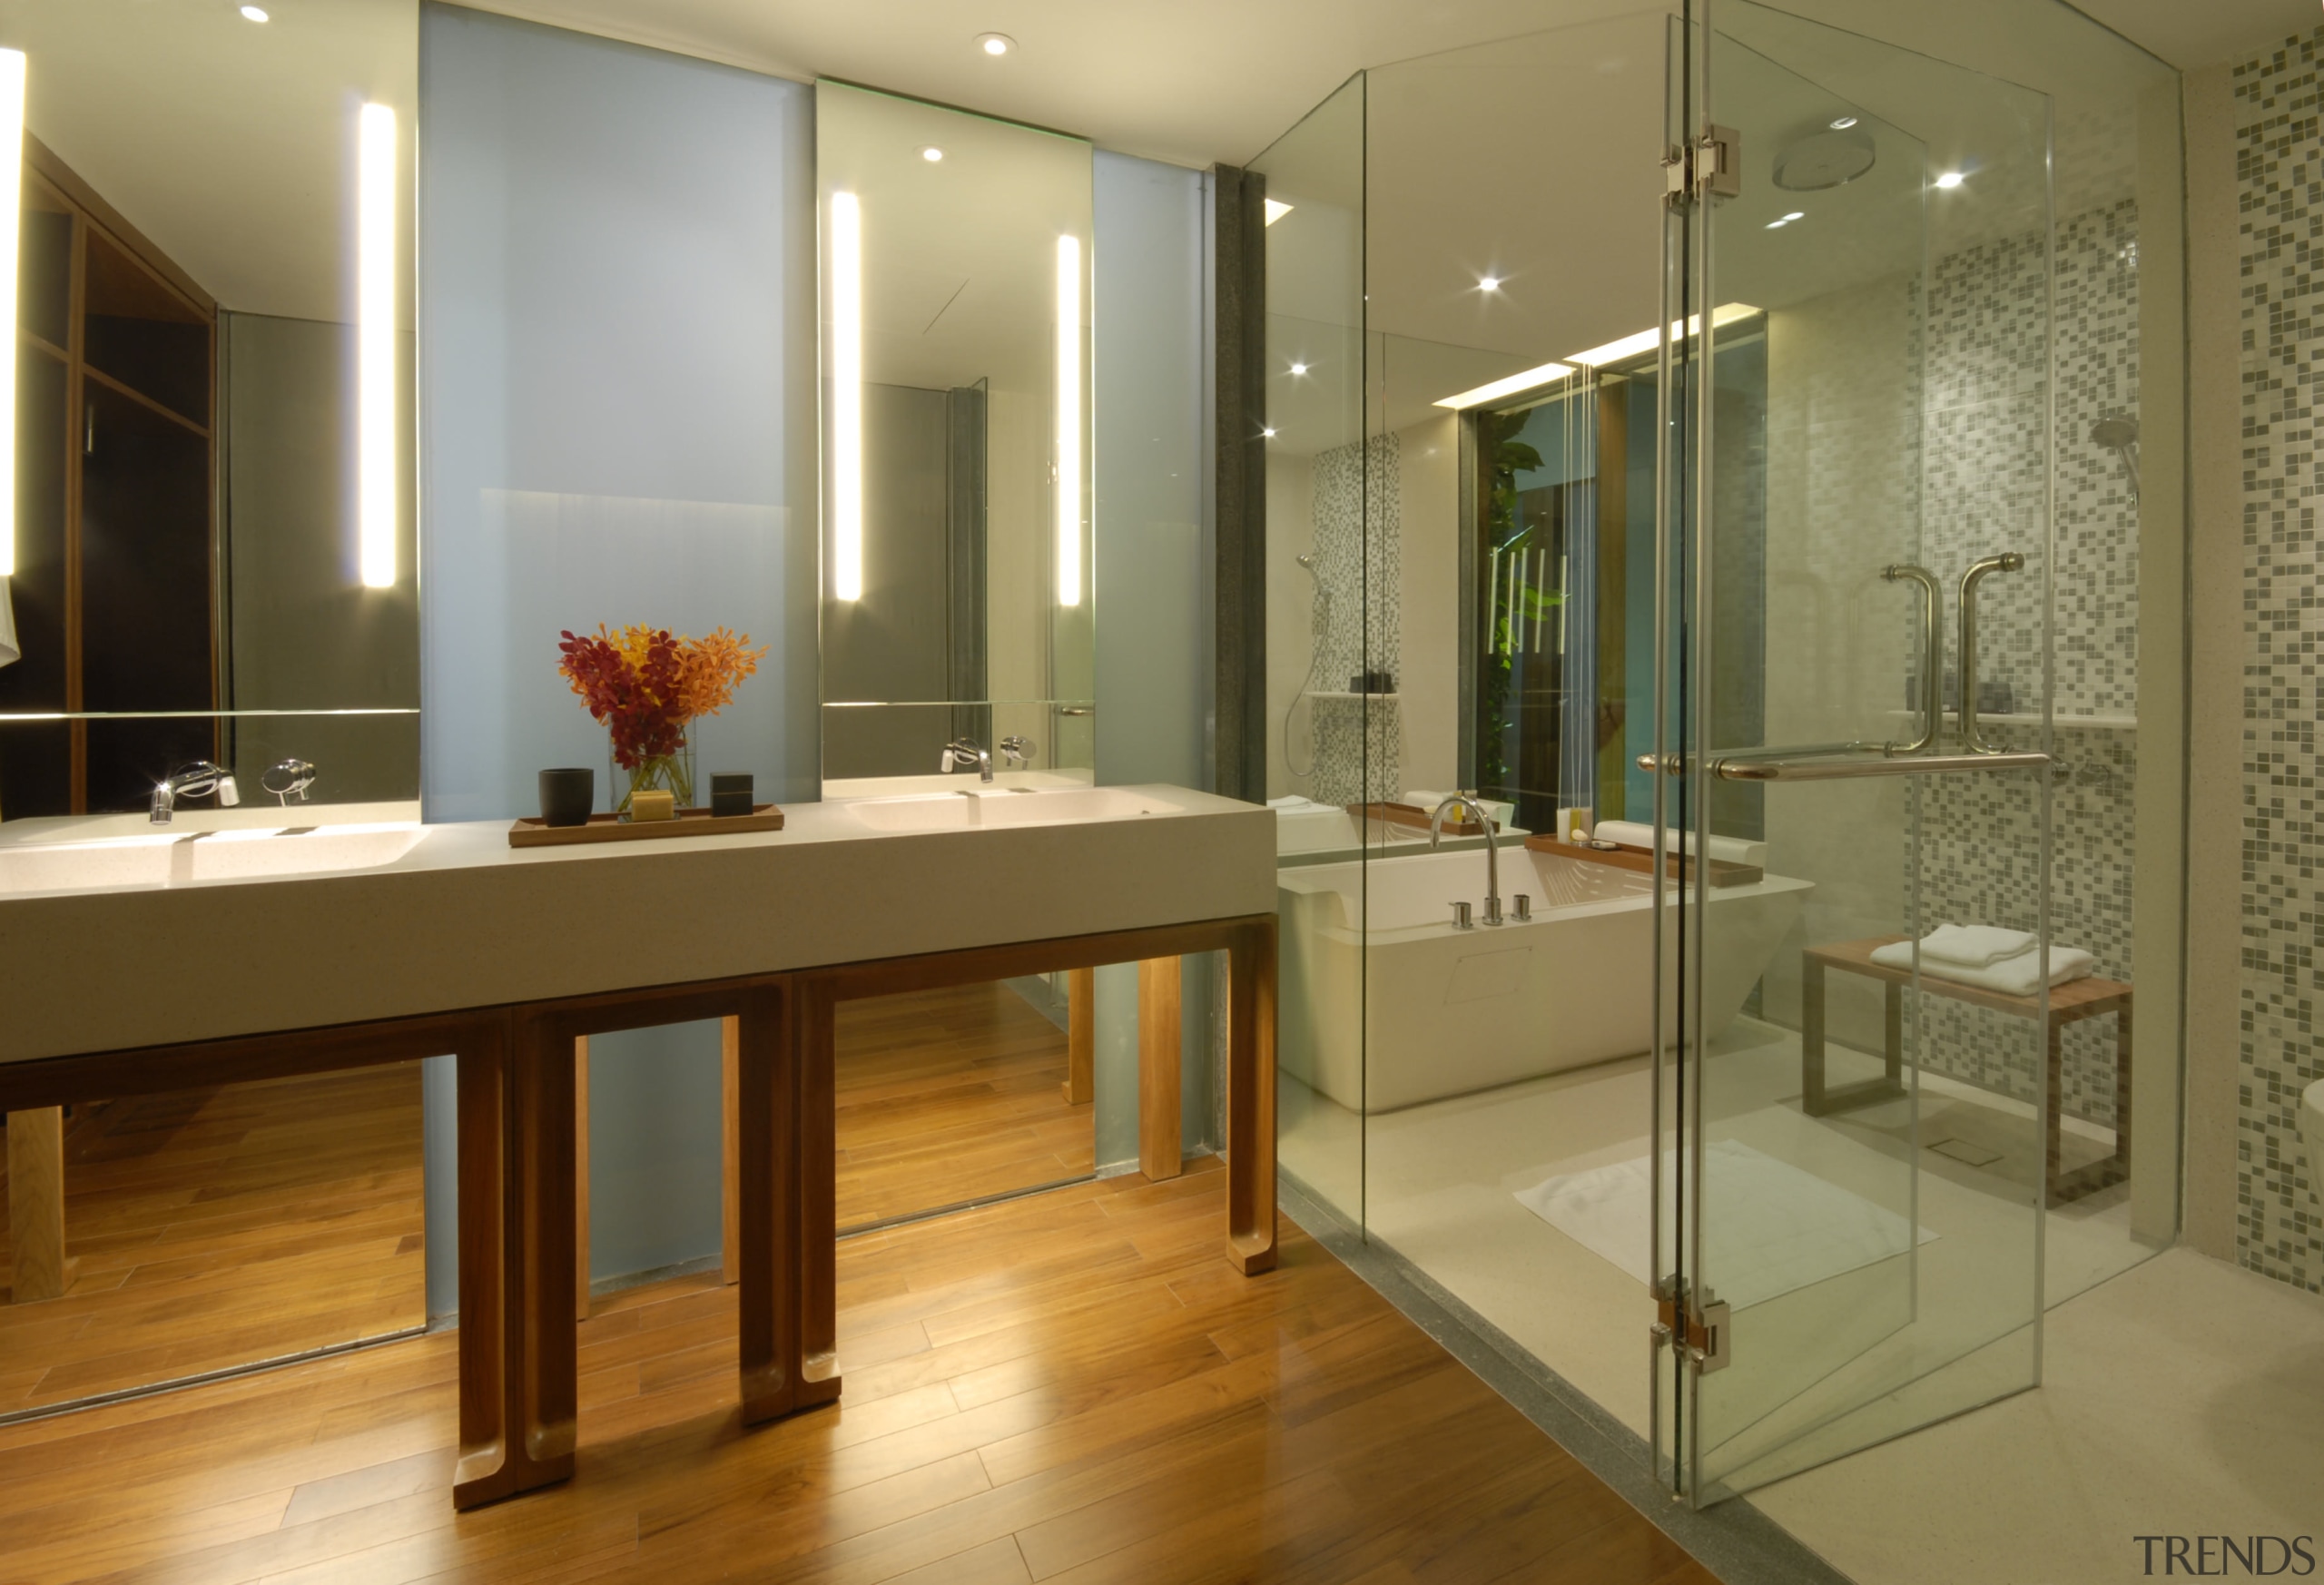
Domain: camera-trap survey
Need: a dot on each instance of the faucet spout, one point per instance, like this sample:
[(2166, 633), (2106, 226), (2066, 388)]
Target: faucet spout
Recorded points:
[(1467, 804), (962, 753), (198, 780)]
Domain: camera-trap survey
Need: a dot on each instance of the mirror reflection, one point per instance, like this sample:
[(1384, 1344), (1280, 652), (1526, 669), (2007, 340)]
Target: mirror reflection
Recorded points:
[(211, 550), (956, 611)]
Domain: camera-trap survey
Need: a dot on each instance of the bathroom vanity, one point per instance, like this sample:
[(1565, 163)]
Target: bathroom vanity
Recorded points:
[(136, 964)]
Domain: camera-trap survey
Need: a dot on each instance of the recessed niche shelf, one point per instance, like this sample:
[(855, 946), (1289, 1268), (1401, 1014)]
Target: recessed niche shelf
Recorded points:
[(2096, 720)]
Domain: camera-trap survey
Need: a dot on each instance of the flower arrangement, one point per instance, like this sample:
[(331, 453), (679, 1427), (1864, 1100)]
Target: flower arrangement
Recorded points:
[(645, 687)]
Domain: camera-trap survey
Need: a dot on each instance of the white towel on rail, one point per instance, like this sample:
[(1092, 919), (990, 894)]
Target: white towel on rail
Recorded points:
[(1975, 946), (2018, 976)]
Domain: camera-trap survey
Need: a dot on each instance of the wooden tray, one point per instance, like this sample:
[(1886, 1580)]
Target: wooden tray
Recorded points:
[(1641, 860), (1405, 814), (612, 828)]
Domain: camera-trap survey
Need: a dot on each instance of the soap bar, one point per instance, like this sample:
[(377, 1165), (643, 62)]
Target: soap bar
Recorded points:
[(653, 804)]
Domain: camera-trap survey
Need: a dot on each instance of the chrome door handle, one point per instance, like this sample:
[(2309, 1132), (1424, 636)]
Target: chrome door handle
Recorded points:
[(1932, 657), (1849, 768), (1973, 739)]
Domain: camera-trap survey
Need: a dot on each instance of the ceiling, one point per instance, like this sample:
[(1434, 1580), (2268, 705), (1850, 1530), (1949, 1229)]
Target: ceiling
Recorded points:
[(1202, 81), (960, 254), (229, 142)]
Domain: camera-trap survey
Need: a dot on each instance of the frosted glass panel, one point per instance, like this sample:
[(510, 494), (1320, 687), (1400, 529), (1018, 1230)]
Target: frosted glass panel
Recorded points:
[(618, 405)]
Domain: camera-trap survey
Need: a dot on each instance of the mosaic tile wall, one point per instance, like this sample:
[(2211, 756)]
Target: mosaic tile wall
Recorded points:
[(1983, 483), (1364, 633), (2280, 175)]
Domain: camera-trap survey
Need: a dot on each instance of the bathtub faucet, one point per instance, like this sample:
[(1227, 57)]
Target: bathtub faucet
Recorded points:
[(1466, 803)]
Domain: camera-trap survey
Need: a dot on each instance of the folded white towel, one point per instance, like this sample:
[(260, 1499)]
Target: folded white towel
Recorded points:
[(1294, 805), (1975, 946), (2018, 976)]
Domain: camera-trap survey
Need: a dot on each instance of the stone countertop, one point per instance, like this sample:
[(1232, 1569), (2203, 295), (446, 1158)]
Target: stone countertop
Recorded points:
[(463, 919)]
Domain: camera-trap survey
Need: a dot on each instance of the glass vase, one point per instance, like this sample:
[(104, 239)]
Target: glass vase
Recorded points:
[(672, 772)]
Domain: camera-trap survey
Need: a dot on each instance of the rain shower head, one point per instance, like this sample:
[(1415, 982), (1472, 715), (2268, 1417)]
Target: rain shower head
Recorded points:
[(2120, 436)]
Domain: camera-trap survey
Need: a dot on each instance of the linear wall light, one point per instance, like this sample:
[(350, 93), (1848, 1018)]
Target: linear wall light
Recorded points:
[(375, 345), (12, 180), (1275, 209), (1069, 420), (1511, 386), (847, 398)]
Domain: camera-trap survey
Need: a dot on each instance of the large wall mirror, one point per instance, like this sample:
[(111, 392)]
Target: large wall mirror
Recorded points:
[(957, 578), (210, 553)]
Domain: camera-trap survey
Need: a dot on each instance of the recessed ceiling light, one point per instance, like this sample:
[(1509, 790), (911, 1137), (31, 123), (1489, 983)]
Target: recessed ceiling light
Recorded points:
[(931, 153), (1276, 209), (1794, 216), (1299, 369), (1488, 283), (253, 14), (1776, 225), (995, 43), (1842, 122), (1266, 434), (1951, 180)]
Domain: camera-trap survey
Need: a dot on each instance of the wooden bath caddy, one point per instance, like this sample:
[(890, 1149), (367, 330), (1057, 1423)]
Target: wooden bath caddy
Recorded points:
[(612, 828), (1406, 814), (1641, 860)]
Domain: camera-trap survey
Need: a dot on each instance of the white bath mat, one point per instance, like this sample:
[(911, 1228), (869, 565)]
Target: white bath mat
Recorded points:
[(1775, 1228)]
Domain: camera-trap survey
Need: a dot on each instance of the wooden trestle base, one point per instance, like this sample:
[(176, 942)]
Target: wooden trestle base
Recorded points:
[(519, 1255)]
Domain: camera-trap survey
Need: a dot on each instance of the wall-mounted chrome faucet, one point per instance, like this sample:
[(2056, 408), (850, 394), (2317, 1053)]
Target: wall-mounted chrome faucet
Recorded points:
[(1467, 801), (962, 753), (289, 779), (198, 780), (1016, 751), (1972, 738)]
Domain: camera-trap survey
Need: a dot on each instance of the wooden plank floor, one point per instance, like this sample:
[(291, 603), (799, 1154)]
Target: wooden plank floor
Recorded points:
[(220, 1227), (1068, 1387), (949, 1095)]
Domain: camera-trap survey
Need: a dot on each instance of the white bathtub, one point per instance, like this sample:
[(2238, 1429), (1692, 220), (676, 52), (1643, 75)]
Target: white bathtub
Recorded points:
[(1447, 1011)]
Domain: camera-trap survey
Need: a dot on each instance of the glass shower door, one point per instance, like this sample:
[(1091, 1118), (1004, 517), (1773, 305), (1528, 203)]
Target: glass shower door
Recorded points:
[(1849, 1143)]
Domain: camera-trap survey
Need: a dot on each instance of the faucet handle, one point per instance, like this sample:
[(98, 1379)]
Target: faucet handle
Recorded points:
[(1524, 901), (229, 794), (1461, 917)]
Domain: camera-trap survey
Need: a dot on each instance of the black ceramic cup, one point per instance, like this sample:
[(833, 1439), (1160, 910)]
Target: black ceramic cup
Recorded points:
[(730, 793), (567, 795)]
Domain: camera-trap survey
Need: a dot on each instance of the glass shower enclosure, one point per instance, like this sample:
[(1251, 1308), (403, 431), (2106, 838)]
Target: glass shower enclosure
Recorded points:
[(1679, 435)]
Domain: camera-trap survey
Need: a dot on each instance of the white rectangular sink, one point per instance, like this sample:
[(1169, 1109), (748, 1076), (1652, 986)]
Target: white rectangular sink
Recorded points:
[(173, 860), (992, 809)]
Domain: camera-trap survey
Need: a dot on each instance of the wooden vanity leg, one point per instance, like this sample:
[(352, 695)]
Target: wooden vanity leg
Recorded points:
[(765, 1113), (518, 1366), (1080, 1035), (36, 1205), (1160, 1139), (581, 1177), (816, 1043), (1250, 1099), (730, 1153), (484, 1472)]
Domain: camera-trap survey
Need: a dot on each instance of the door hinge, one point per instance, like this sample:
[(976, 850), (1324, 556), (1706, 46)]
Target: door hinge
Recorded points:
[(1709, 167), (1709, 1336), (1702, 1333)]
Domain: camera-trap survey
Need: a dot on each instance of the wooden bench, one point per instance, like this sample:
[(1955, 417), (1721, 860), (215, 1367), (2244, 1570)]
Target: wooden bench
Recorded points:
[(2069, 1004)]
